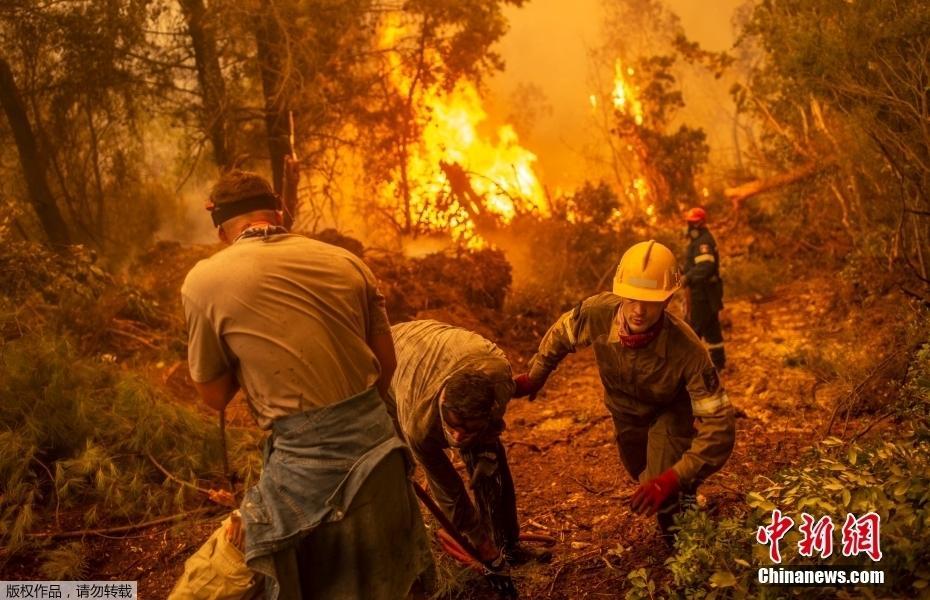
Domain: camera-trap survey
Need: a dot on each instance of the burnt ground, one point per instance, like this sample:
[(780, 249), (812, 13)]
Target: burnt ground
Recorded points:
[(570, 483)]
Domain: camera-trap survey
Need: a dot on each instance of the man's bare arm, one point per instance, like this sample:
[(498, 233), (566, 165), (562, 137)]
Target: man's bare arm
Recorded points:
[(382, 345), (217, 393)]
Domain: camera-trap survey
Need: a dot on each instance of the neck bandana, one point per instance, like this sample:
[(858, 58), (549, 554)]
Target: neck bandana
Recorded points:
[(640, 340)]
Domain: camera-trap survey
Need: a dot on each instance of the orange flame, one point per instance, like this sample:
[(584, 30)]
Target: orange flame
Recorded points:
[(625, 94), (501, 170)]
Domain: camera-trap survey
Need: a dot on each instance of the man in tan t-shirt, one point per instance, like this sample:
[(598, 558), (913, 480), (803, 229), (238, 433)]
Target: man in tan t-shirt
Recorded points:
[(300, 327)]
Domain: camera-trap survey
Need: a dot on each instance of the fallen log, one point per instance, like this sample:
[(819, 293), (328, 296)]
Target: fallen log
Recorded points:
[(739, 193)]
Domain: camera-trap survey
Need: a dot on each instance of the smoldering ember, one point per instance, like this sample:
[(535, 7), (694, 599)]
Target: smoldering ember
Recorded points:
[(365, 299)]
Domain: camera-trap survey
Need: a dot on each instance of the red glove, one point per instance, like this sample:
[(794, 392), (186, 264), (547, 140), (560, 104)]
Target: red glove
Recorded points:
[(649, 496), (524, 386)]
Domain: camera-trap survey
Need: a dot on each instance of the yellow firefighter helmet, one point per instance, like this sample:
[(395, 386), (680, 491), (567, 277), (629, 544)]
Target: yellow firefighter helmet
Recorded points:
[(648, 272)]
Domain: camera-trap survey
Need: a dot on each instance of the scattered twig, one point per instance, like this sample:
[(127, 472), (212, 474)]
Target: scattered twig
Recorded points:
[(555, 579), (587, 487), (84, 532), (584, 555), (171, 371), (51, 479), (847, 401), (869, 427), (175, 479), (578, 432), (537, 525), (530, 445), (221, 497), (568, 519), (134, 337), (923, 300)]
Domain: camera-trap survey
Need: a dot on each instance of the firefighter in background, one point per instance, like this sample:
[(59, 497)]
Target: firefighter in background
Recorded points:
[(674, 425), (702, 278)]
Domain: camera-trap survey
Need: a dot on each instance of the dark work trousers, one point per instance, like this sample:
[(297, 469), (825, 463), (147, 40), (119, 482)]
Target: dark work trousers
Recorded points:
[(706, 323), (649, 445), (492, 486)]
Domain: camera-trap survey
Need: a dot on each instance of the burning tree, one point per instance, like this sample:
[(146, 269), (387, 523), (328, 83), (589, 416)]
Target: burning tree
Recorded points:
[(436, 170), (653, 165), (653, 162)]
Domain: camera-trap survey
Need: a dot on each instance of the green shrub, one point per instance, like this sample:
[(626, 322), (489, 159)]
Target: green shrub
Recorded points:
[(916, 392), (720, 558), (75, 432), (66, 563)]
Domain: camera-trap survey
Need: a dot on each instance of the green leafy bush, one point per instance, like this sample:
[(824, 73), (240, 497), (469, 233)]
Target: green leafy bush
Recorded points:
[(75, 432), (720, 558)]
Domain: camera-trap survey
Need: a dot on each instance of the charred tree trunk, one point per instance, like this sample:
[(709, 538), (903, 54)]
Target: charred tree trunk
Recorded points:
[(210, 77), (467, 197), (31, 160), (738, 194), (269, 39)]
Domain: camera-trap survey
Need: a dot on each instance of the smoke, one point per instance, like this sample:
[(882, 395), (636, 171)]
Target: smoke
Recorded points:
[(548, 51)]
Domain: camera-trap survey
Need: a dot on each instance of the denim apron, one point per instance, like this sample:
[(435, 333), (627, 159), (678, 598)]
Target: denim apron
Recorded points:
[(314, 464)]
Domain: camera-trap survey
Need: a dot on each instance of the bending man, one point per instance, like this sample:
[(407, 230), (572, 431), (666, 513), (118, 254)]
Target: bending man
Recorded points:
[(674, 424), (452, 387)]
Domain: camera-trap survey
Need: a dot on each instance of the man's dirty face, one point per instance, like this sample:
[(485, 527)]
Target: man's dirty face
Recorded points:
[(459, 431), (639, 315)]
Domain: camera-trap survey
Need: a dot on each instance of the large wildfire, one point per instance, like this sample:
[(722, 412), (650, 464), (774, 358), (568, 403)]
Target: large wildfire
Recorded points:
[(454, 179)]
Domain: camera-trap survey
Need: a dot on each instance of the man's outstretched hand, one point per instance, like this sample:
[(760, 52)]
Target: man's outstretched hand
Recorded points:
[(524, 386), (649, 496)]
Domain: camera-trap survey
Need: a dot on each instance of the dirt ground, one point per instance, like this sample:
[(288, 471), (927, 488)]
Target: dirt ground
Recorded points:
[(569, 480)]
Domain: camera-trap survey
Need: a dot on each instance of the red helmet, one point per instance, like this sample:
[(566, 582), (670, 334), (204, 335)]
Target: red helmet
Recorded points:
[(695, 215)]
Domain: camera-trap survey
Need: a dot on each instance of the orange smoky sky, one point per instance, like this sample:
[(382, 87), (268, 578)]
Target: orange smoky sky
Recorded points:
[(548, 79)]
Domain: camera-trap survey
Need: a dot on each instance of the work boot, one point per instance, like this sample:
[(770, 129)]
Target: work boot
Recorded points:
[(666, 516), (666, 520), (519, 554)]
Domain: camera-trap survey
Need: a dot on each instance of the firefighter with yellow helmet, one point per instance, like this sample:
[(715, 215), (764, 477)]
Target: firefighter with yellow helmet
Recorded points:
[(673, 422)]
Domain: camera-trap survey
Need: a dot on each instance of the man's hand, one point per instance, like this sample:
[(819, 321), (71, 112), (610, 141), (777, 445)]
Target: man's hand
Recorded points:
[(217, 393), (498, 576), (223, 498), (652, 494), (235, 532), (524, 386), (494, 565)]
